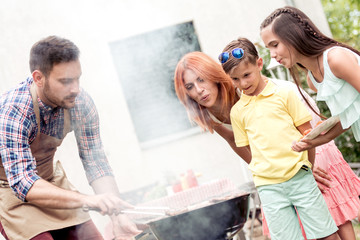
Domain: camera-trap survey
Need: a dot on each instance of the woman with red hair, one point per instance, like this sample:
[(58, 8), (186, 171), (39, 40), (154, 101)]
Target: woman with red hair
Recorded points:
[(208, 94)]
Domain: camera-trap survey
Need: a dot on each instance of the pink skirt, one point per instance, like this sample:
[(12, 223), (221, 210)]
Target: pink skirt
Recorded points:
[(342, 198)]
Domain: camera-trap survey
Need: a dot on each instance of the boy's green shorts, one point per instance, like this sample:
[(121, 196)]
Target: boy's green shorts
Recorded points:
[(278, 201)]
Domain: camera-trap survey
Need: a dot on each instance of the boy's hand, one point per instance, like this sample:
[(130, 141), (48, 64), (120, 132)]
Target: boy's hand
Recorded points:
[(323, 180)]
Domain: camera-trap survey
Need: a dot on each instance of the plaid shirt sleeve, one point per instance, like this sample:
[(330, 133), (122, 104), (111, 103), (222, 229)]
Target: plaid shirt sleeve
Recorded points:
[(17, 159), (89, 143)]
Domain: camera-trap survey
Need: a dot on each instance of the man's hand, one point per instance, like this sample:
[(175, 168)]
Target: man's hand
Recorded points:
[(109, 204), (108, 200), (322, 178), (106, 204), (123, 227)]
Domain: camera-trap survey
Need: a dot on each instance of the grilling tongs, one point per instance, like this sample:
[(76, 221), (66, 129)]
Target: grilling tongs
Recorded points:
[(159, 211)]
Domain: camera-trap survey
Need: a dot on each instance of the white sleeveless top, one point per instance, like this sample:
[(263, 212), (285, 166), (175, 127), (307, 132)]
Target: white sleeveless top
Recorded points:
[(340, 96)]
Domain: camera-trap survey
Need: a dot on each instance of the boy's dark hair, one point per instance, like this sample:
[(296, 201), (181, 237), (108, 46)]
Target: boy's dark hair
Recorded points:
[(52, 50), (250, 53)]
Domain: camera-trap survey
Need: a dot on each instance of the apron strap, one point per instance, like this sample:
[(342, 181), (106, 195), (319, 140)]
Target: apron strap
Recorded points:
[(36, 106), (67, 122)]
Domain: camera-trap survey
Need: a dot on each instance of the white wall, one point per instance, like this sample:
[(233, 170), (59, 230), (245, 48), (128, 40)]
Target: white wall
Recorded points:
[(92, 24)]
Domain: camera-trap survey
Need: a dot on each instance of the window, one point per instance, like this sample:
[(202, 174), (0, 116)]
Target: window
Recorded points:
[(145, 65)]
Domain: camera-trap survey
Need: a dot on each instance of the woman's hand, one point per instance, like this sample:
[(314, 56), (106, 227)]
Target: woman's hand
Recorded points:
[(323, 180)]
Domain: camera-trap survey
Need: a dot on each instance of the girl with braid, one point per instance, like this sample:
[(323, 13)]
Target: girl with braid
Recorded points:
[(332, 71), (333, 68)]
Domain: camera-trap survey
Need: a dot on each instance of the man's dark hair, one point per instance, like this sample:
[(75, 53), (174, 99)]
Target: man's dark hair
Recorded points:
[(50, 51)]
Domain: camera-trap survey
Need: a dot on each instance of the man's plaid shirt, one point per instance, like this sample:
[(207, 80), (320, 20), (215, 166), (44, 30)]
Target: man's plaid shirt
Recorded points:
[(18, 129)]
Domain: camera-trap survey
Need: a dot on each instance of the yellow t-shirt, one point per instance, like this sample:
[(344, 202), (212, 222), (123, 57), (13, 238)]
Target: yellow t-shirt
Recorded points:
[(267, 122)]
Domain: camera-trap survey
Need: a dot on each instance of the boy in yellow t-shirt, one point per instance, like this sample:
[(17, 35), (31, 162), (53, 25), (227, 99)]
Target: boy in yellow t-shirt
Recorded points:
[(268, 118)]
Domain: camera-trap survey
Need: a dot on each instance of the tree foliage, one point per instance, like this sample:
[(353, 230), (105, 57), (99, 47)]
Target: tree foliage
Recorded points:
[(343, 18)]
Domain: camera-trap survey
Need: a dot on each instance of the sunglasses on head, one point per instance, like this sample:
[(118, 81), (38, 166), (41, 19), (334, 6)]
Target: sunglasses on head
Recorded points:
[(236, 53)]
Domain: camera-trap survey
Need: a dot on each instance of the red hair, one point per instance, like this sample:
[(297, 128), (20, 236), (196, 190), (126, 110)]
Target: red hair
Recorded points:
[(208, 69)]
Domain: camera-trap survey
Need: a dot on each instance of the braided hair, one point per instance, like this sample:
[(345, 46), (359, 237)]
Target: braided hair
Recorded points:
[(295, 29)]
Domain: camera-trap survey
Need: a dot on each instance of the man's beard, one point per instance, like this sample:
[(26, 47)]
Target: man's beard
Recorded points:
[(57, 102)]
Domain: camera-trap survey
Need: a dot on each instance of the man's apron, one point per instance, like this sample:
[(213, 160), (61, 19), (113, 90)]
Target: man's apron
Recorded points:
[(23, 220)]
